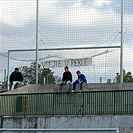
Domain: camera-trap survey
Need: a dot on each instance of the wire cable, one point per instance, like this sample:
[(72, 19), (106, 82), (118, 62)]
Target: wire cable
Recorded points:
[(48, 39), (117, 31), (28, 52)]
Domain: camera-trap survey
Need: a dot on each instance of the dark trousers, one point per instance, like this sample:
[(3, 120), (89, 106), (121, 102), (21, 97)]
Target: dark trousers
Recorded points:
[(79, 84)]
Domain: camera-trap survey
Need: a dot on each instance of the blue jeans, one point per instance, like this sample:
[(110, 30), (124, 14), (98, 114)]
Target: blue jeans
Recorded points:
[(79, 84)]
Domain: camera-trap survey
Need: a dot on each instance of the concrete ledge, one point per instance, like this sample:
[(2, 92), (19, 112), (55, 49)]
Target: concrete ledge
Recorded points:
[(31, 88)]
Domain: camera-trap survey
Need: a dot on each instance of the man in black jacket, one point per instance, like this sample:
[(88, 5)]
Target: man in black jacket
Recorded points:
[(16, 77), (66, 80)]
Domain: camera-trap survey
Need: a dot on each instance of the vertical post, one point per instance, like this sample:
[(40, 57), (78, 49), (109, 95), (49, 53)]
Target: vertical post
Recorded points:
[(100, 79), (24, 102), (129, 104), (53, 111), (4, 76), (36, 45), (121, 49), (8, 76), (83, 104), (117, 130), (114, 103), (44, 80), (47, 78)]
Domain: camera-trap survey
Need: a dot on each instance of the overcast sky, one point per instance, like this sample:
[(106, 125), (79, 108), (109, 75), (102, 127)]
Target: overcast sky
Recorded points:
[(66, 23)]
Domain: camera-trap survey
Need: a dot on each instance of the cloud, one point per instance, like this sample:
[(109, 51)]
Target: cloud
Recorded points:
[(68, 23), (128, 23), (20, 12), (59, 12), (102, 2), (128, 58), (74, 24), (76, 14), (17, 13)]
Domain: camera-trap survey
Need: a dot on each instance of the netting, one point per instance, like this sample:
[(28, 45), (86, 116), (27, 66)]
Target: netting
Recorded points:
[(67, 24)]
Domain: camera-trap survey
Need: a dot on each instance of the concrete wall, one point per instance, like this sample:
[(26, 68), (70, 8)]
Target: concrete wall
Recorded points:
[(124, 123), (31, 88)]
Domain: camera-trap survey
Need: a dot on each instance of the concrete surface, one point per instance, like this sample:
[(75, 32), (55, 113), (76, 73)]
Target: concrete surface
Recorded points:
[(31, 88), (124, 123)]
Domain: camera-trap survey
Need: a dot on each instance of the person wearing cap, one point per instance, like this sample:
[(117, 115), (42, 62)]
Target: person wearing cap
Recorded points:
[(16, 77), (81, 79), (66, 80)]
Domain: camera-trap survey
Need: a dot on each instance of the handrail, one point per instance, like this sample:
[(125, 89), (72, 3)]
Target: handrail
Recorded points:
[(77, 103)]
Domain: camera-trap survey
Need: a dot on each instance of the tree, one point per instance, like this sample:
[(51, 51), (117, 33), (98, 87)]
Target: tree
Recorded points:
[(48, 75), (108, 80), (127, 77), (29, 74)]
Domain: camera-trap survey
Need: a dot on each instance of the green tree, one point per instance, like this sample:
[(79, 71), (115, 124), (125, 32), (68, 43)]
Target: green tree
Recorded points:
[(108, 80), (29, 74), (127, 77)]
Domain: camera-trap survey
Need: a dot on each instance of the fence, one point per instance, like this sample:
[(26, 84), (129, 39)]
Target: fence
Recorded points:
[(84, 103)]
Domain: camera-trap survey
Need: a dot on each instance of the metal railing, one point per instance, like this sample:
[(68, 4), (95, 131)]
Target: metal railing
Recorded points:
[(84, 103), (102, 130)]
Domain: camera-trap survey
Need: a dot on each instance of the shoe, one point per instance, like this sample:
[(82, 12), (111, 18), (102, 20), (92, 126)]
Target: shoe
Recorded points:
[(72, 91), (79, 90), (58, 91)]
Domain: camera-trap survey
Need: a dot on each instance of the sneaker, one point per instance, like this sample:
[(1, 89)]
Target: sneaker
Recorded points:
[(72, 91), (58, 91), (79, 90)]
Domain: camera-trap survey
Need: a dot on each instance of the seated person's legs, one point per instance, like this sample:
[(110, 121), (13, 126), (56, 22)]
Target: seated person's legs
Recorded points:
[(80, 85), (13, 84), (74, 84), (67, 85), (59, 85)]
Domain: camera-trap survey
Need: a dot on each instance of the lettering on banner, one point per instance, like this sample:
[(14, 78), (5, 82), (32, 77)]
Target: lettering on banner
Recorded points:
[(67, 62)]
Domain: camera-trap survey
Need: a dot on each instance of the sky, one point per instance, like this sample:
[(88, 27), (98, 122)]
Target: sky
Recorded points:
[(67, 23)]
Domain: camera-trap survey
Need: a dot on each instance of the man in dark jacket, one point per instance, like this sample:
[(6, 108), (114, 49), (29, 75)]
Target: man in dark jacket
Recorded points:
[(16, 77), (81, 79), (66, 80)]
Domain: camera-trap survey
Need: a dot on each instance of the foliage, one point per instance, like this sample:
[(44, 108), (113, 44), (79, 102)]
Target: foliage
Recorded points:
[(29, 74), (127, 77), (108, 80)]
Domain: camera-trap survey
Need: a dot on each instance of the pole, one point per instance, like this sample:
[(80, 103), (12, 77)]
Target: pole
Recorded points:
[(47, 78), (75, 48), (8, 87), (121, 49), (4, 76), (62, 129), (36, 45)]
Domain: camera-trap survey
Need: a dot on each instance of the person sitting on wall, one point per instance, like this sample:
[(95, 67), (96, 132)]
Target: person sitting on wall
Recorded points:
[(66, 80), (81, 79), (16, 78)]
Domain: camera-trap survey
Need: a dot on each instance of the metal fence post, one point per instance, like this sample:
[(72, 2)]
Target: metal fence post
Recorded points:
[(8, 75), (24, 105), (83, 105), (53, 106), (132, 103), (114, 104)]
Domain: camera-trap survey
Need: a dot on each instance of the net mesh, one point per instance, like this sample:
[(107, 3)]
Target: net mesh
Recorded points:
[(67, 24)]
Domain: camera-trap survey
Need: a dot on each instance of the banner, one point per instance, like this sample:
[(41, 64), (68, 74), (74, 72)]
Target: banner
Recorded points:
[(68, 62)]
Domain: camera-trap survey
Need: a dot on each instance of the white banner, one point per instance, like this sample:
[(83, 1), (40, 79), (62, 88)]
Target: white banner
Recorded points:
[(68, 62)]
